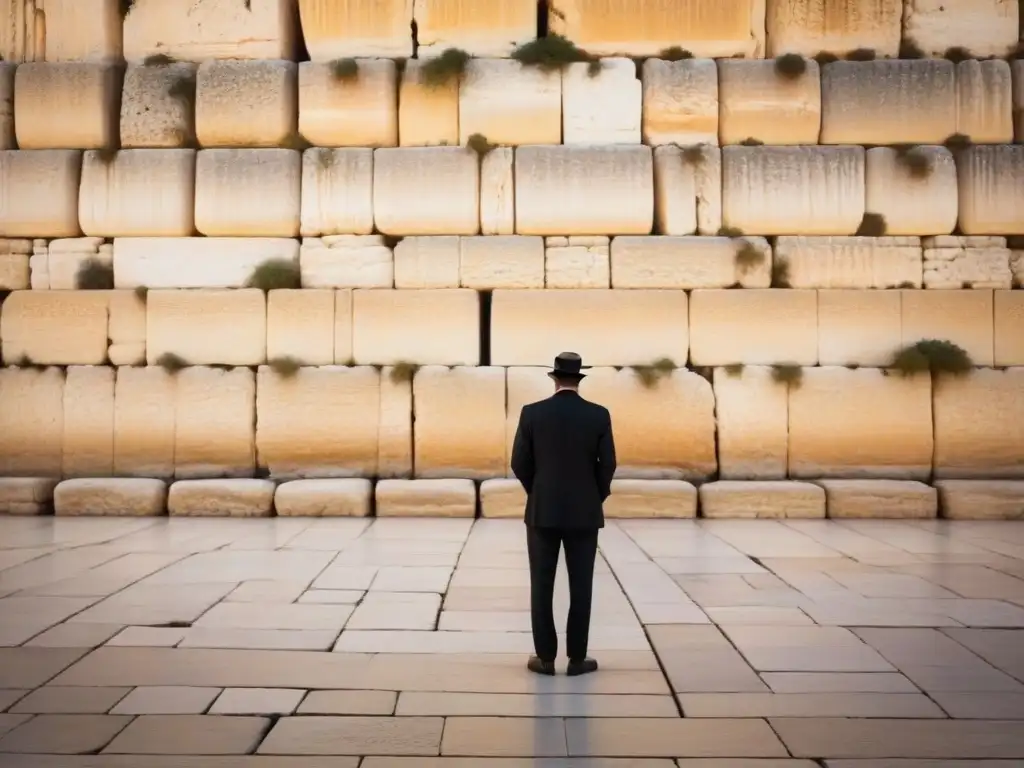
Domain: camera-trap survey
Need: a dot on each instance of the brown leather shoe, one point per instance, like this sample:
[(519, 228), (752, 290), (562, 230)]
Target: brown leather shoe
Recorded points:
[(583, 667), (540, 667)]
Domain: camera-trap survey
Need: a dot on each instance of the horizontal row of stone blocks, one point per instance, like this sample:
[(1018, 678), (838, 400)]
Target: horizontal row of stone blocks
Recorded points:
[(744, 423), (319, 327), (245, 29), (842, 499), (694, 101), (535, 190), (492, 262)]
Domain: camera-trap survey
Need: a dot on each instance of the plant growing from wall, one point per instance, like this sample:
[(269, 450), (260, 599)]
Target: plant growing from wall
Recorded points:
[(158, 60), (932, 355), (286, 367), (141, 292), (550, 54), (780, 273), (748, 256), (675, 53), (344, 70), (789, 374), (861, 54), (825, 57), (734, 370), (274, 275), (479, 144), (325, 158), (957, 141), (94, 275), (693, 155), (906, 285), (956, 54), (750, 141), (790, 66), (909, 49), (650, 375), (446, 69), (105, 156), (402, 372), (915, 161), (872, 225), (171, 362), (730, 232)]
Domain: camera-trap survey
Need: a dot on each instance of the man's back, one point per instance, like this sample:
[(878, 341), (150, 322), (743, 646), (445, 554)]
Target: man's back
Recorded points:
[(564, 456)]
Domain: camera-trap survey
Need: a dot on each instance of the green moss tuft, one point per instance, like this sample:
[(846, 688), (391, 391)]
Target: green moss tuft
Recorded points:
[(94, 275), (550, 54), (786, 373), (171, 362), (934, 355), (791, 66), (675, 53), (445, 69), (872, 225), (275, 274)]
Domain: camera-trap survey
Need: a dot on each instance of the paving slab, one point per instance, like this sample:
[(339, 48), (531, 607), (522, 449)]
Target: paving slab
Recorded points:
[(539, 705), (649, 737), (354, 736), (58, 700), (257, 701), (504, 737), (173, 761), (847, 704), (31, 667), (166, 700), (63, 734), (349, 703), (190, 735)]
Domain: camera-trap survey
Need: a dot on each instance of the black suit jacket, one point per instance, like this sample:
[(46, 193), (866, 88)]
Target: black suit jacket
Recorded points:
[(564, 456)]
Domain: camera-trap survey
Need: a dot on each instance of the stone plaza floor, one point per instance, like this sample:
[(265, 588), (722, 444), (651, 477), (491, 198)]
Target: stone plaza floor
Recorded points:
[(401, 643)]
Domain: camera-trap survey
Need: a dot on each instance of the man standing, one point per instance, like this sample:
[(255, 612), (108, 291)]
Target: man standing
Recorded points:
[(564, 456)]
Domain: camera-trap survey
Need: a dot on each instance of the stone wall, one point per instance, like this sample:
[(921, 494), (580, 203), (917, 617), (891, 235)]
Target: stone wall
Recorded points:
[(255, 253)]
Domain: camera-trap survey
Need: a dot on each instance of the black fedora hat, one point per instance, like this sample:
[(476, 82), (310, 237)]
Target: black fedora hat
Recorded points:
[(568, 364)]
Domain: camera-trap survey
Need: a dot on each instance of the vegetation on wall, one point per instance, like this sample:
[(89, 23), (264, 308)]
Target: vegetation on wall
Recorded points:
[(872, 225), (693, 155), (286, 367), (650, 375), (479, 144), (932, 355), (127, 6), (158, 60), (275, 274), (750, 141), (171, 362), (861, 54), (957, 54), (675, 53), (791, 66), (344, 70), (909, 49), (825, 57), (734, 370), (780, 273), (94, 275), (748, 256), (916, 161), (446, 69), (789, 374), (402, 372), (141, 292), (957, 141), (553, 54)]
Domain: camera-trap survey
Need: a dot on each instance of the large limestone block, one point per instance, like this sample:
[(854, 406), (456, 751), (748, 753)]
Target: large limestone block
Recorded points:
[(761, 499), (514, 261), (337, 192), (346, 497), (158, 105), (479, 29), (67, 106), (337, 29), (662, 432), (510, 104), (582, 190), (437, 327), (961, 317), (55, 327), (214, 429), (211, 29), (851, 262), (395, 425), (114, 496), (460, 422), (687, 190), (138, 193), (14, 261), (808, 27), (577, 262), (320, 422), (126, 328), (26, 495), (207, 327), (502, 498), (992, 190), (912, 201), (984, 101), (221, 498), (425, 498), (343, 325), (61, 30), (406, 185), (55, 266), (680, 102), (7, 106), (31, 209), (605, 327), (955, 262), (651, 498), (859, 328), (248, 192), (87, 447), (981, 499), (688, 262), (522, 387), (983, 27), (979, 425), (860, 424), (710, 28), (793, 190), (144, 409), (346, 261), (602, 108), (31, 421), (752, 417), (756, 102), (885, 499), (1009, 328), (498, 192), (246, 103), (427, 115), (1018, 99), (754, 327), (357, 112), (300, 325), (195, 262), (427, 262), (888, 102)]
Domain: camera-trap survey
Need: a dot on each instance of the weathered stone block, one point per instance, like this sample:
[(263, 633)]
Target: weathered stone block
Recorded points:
[(1009, 328), (30, 209), (851, 262), (583, 190), (26, 495), (126, 328), (859, 328), (808, 27), (960, 264), (246, 103), (498, 192), (602, 106), (87, 446), (248, 192), (55, 327), (31, 421), (984, 95), (346, 261), (514, 261), (405, 191), (577, 262), (756, 102), (221, 498), (158, 105), (113, 496), (300, 325), (761, 499), (502, 498), (427, 115), (680, 102), (427, 262), (690, 262), (509, 104), (71, 105), (687, 190), (488, 29), (62, 30), (207, 327), (214, 429), (426, 498), (915, 192), (144, 409), (880, 499), (344, 336), (632, 499), (793, 190), (337, 29), (14, 264), (337, 192), (991, 190), (981, 499), (983, 27), (755, 327), (752, 421), (55, 265), (605, 327), (961, 317), (395, 425), (324, 498), (359, 111)]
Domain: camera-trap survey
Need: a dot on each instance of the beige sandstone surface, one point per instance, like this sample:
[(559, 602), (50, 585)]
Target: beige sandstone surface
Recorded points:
[(688, 262), (55, 327), (981, 499), (158, 105), (859, 327), (324, 498), (405, 185), (687, 190), (808, 27), (221, 498), (756, 102), (301, 325), (603, 106), (1008, 328), (984, 93), (479, 29), (880, 499), (509, 104), (337, 192), (117, 496), (498, 192), (248, 192), (752, 423), (246, 103), (425, 498), (71, 105), (144, 411), (983, 27), (502, 498), (346, 261), (992, 190), (427, 262), (207, 327), (577, 262), (961, 317), (427, 116), (31, 421), (851, 262), (637, 499), (912, 204), (26, 495), (337, 29), (214, 429), (514, 261), (395, 424), (680, 102), (37, 210), (87, 445), (361, 112), (761, 499)]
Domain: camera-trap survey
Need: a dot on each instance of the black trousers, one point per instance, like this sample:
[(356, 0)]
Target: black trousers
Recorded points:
[(543, 545)]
